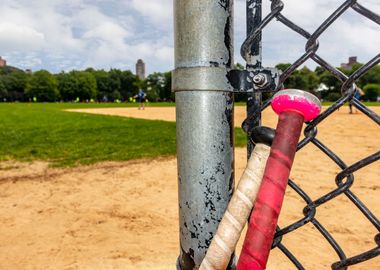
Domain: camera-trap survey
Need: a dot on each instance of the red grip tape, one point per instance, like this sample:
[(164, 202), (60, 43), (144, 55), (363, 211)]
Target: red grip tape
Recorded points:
[(263, 221)]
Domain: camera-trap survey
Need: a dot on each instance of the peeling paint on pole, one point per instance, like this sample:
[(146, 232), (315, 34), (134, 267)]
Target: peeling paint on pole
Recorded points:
[(204, 108), (254, 16)]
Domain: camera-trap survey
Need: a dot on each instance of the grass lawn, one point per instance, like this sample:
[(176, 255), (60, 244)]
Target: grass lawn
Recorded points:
[(45, 132)]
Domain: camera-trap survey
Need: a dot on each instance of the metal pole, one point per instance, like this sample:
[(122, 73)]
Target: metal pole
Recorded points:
[(254, 17), (204, 112)]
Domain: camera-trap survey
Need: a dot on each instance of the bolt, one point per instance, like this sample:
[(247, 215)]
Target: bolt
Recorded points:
[(260, 80)]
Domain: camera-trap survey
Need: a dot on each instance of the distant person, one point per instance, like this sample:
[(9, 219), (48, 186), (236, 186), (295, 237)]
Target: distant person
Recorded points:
[(141, 99), (357, 95)]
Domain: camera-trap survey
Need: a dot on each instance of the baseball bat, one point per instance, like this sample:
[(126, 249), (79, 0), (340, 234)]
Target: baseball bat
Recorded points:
[(293, 107), (240, 206)]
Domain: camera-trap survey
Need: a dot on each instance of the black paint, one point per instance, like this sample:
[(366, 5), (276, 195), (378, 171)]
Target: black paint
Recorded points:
[(186, 260), (214, 64), (224, 4), (230, 116), (254, 17), (228, 40), (239, 80)]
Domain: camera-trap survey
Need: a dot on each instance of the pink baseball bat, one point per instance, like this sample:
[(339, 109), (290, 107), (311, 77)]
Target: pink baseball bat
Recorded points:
[(293, 107)]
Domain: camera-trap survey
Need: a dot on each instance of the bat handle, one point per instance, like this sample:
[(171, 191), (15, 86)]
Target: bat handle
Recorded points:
[(263, 221)]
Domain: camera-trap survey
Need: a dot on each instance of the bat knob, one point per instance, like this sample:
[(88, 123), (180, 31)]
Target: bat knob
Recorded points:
[(296, 100), (262, 134)]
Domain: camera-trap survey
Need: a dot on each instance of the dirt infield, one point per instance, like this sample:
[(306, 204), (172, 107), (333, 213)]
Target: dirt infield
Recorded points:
[(123, 215)]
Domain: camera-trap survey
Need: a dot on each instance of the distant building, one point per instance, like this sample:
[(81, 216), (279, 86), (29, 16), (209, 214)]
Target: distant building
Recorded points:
[(140, 69), (351, 61), (3, 63), (28, 71)]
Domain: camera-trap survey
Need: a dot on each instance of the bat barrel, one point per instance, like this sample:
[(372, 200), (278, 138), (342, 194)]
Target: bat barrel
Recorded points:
[(263, 221), (294, 107)]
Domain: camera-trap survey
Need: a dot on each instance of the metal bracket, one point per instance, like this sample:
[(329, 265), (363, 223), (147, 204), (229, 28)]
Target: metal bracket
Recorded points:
[(257, 80)]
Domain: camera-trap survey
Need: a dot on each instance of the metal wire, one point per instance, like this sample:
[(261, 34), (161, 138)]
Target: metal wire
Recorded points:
[(345, 178)]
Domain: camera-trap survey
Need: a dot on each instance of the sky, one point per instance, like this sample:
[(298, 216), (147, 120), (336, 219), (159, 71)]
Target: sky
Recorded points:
[(75, 34)]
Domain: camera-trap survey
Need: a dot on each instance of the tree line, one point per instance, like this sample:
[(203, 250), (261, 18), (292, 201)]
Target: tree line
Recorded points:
[(117, 85), (327, 87), (88, 85)]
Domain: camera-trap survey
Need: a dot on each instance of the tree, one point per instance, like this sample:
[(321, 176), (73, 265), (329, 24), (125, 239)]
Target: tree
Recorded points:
[(166, 93), (372, 76), (114, 76), (283, 66), (319, 71), (128, 86), (332, 83), (8, 70), (43, 86), (310, 79), (86, 83), (151, 85), (3, 90), (104, 84), (115, 95), (66, 86), (291, 81), (158, 86), (303, 78), (77, 84), (372, 91), (16, 85)]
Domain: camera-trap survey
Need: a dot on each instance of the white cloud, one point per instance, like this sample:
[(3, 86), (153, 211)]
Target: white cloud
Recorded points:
[(13, 36), (159, 13), (108, 32), (351, 35), (64, 34), (165, 54)]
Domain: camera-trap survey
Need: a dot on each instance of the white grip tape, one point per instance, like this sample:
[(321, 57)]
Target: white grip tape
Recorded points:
[(240, 206)]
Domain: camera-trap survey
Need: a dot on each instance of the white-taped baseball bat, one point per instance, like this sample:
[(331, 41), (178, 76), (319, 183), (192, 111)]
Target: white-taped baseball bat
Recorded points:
[(239, 208)]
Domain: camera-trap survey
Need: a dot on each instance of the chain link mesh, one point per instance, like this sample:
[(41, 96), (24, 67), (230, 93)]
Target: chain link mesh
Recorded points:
[(345, 178)]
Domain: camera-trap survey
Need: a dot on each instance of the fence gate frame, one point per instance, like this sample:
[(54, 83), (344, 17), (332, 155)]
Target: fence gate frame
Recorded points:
[(204, 82)]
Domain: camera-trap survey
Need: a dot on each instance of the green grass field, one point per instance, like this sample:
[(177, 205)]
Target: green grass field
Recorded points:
[(46, 132)]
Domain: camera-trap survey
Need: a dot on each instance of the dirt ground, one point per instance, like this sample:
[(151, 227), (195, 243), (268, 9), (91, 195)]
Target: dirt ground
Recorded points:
[(123, 215)]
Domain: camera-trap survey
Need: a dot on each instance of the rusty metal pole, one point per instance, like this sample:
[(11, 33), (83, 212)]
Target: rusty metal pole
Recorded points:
[(204, 114), (254, 16)]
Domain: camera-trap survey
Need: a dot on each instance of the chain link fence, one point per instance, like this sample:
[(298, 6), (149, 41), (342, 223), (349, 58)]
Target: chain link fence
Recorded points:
[(345, 178)]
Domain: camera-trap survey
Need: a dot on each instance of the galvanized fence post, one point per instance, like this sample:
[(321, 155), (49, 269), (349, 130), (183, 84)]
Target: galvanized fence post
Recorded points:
[(204, 114)]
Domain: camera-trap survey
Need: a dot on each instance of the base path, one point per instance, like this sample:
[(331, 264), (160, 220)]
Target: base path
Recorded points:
[(160, 113), (124, 215), (150, 113)]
